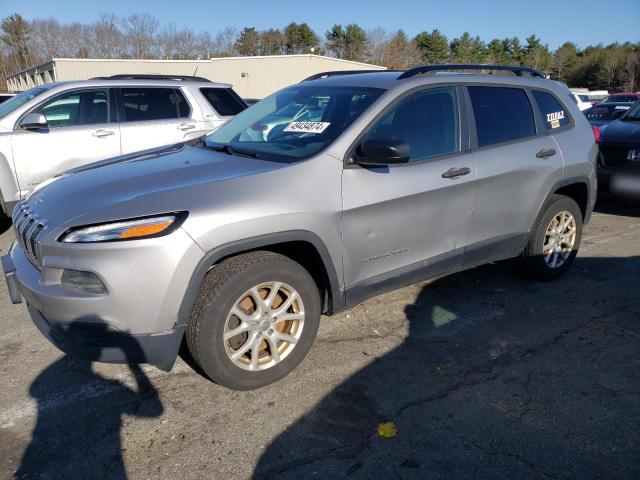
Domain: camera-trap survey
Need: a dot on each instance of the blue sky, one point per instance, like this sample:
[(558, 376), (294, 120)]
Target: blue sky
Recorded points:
[(555, 21)]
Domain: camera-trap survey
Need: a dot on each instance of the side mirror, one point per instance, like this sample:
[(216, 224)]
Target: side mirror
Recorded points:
[(34, 120), (618, 113), (383, 151)]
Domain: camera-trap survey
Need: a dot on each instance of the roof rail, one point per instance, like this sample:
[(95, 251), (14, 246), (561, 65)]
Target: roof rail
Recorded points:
[(518, 71), (143, 76), (341, 72)]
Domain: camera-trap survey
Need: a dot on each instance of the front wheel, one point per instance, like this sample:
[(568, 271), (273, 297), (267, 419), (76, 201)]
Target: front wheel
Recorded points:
[(555, 239), (254, 320)]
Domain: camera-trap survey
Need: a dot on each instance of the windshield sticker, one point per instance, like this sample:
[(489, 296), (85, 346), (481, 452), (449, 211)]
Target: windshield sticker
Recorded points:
[(554, 118), (307, 127)]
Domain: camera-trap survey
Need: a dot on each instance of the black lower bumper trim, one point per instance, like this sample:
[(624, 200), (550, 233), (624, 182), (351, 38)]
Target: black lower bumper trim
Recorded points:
[(97, 342)]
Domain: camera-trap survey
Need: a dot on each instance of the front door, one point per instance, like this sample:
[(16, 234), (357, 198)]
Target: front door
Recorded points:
[(82, 128), (406, 220)]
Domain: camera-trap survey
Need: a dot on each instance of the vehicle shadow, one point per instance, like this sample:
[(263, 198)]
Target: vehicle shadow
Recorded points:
[(5, 223), (612, 205), (79, 418), (497, 377)]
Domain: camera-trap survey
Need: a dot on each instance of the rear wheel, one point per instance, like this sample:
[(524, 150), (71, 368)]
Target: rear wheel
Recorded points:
[(254, 321), (555, 239)]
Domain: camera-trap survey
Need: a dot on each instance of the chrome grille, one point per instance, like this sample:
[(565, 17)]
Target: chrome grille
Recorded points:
[(28, 227)]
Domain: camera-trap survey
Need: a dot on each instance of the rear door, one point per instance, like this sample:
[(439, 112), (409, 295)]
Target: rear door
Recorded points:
[(153, 117), (82, 128), (518, 164), (405, 221)]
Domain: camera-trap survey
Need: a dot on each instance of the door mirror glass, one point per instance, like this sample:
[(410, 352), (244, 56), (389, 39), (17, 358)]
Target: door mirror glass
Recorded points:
[(34, 120), (383, 151)]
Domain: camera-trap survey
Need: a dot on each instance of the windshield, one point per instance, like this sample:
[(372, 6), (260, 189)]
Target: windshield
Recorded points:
[(15, 102), (294, 123), (633, 113)]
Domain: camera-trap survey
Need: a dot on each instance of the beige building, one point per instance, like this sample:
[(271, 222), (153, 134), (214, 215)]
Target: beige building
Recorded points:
[(251, 77)]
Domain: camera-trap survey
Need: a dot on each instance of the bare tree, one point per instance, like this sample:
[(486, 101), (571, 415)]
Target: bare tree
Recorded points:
[(140, 30), (109, 40), (225, 41), (376, 42)]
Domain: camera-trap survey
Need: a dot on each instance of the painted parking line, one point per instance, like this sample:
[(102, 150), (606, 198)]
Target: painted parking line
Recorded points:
[(70, 396)]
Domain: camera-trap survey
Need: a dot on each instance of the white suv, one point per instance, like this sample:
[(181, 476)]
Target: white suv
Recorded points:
[(59, 126)]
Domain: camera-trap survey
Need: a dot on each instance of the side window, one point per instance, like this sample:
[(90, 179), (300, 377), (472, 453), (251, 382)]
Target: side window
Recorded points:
[(223, 101), (502, 114), (553, 113), (428, 121), (86, 107), (144, 104)]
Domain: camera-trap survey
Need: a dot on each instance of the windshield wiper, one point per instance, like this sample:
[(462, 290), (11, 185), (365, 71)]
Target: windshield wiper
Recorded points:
[(223, 147)]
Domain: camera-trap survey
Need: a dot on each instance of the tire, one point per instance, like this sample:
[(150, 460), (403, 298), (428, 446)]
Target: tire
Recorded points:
[(230, 285), (537, 264)]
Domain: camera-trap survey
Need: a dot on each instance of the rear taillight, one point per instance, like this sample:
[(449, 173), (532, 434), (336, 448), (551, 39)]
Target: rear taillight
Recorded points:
[(596, 134)]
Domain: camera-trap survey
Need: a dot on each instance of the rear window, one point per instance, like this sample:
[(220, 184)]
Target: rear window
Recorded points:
[(224, 101), (553, 113), (143, 104), (502, 114)]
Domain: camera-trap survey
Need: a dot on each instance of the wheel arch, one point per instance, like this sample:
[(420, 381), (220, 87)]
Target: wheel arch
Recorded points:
[(578, 191), (301, 246)]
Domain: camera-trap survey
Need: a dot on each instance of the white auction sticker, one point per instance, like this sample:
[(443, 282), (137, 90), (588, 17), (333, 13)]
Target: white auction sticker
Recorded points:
[(307, 127)]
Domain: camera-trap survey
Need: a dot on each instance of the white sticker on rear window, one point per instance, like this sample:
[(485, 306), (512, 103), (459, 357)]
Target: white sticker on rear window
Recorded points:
[(307, 127)]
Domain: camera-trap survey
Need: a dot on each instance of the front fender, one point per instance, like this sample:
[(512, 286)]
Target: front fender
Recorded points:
[(215, 255)]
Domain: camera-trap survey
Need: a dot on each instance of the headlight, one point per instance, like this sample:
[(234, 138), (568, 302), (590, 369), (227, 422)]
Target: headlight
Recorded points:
[(135, 228)]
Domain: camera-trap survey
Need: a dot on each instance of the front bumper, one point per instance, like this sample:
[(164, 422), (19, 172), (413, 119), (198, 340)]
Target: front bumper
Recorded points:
[(135, 322)]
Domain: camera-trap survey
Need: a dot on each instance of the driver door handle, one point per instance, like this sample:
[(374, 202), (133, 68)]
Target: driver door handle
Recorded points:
[(186, 126), (456, 172), (546, 153), (103, 133)]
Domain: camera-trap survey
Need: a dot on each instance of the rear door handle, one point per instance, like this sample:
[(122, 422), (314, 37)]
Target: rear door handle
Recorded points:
[(103, 133), (186, 126), (546, 153), (456, 172)]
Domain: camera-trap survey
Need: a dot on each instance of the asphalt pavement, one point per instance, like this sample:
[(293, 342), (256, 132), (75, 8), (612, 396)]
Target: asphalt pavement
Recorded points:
[(482, 374)]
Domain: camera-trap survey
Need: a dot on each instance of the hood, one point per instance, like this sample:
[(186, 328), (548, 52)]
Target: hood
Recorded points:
[(153, 181), (622, 132)]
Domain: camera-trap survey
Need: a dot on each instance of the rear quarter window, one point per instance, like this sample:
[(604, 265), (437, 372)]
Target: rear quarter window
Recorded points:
[(502, 114), (224, 101), (554, 114)]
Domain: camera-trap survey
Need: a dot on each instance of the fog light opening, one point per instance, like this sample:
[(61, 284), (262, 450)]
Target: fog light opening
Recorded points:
[(83, 282)]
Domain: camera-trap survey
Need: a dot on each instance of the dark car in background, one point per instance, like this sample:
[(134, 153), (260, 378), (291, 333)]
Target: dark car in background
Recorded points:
[(603, 113), (619, 163), (622, 98)]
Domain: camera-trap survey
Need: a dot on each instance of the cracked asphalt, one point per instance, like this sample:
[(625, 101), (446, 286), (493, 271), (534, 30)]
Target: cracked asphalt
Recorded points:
[(484, 373)]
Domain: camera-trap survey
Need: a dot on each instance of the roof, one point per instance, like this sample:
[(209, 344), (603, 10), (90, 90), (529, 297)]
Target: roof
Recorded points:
[(137, 83), (206, 61), (390, 79)]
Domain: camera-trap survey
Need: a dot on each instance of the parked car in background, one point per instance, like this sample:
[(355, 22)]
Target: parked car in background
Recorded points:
[(59, 126), (6, 96), (622, 98), (239, 244), (602, 113), (619, 162), (586, 99)]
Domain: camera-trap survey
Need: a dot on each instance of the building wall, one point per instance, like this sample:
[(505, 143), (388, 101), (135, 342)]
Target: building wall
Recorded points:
[(251, 77)]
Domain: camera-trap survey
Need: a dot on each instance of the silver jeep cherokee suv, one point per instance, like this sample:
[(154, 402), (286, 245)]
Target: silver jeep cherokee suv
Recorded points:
[(240, 244)]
